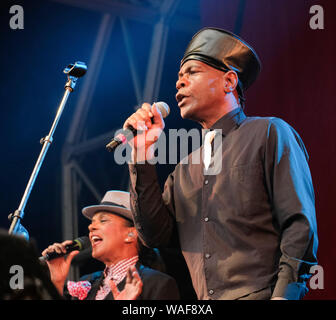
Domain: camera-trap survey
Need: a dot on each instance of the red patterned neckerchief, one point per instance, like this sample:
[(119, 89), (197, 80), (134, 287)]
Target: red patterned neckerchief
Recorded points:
[(79, 289)]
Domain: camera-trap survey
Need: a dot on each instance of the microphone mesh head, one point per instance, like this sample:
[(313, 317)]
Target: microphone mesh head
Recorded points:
[(84, 243), (164, 108)]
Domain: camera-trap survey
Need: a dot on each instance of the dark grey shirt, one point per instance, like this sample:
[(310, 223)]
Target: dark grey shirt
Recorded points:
[(251, 226)]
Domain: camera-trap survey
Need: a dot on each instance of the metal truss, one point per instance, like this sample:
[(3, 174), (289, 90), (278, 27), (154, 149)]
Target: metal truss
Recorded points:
[(148, 11)]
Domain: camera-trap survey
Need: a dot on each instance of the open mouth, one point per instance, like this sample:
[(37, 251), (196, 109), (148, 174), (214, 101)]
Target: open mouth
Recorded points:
[(180, 99), (95, 240)]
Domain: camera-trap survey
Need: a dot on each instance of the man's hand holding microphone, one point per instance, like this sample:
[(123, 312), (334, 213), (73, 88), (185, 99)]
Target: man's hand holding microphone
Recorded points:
[(142, 129)]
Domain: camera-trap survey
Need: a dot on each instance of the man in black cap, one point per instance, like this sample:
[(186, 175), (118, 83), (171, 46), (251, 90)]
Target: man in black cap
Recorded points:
[(115, 243), (249, 231)]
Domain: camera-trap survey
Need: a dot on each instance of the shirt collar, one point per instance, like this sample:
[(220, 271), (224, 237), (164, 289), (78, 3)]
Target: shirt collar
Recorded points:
[(119, 269), (230, 121)]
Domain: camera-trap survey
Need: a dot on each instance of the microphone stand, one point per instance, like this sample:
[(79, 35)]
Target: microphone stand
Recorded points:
[(73, 71)]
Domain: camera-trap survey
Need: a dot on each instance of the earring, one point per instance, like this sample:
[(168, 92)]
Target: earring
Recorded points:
[(129, 235)]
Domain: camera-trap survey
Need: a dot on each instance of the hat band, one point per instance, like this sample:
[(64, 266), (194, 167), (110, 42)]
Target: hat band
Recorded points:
[(219, 65), (206, 59), (108, 203)]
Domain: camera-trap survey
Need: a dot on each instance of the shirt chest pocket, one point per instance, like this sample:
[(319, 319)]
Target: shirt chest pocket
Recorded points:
[(248, 184)]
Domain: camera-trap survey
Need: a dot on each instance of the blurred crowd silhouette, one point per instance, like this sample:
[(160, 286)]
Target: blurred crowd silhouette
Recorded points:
[(17, 252)]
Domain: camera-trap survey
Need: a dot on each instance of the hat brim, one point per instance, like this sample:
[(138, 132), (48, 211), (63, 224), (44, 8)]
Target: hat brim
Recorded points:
[(90, 211)]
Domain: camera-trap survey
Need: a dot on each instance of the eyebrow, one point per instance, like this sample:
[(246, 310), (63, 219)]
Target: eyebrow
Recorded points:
[(102, 215), (188, 69)]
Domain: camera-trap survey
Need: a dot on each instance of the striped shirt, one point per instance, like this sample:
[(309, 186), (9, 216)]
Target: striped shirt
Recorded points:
[(116, 272)]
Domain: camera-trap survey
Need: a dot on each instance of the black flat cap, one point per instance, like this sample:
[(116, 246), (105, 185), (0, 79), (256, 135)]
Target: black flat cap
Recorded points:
[(225, 51)]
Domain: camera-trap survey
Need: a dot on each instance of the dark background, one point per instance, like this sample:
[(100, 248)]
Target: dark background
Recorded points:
[(296, 84)]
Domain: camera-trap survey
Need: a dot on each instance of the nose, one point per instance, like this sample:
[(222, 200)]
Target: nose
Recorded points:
[(181, 83), (92, 227)]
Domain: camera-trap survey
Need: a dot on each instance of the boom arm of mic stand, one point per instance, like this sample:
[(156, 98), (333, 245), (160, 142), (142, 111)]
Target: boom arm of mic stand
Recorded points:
[(74, 71)]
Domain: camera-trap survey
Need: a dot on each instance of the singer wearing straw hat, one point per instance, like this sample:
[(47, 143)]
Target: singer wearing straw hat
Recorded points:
[(114, 242)]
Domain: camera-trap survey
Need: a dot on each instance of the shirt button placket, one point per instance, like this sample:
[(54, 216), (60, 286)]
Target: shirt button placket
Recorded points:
[(207, 255)]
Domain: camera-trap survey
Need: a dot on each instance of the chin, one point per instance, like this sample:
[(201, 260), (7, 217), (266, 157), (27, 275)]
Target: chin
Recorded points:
[(185, 112), (189, 115), (95, 254), (190, 110), (183, 115)]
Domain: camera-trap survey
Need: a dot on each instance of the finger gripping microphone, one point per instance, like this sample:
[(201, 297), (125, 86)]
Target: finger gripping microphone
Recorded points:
[(130, 133), (79, 244)]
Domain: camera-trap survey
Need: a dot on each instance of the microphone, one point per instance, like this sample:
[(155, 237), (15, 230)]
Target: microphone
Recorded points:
[(130, 133), (80, 244)]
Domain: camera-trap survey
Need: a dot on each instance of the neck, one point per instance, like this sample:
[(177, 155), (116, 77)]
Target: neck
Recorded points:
[(134, 259), (230, 103)]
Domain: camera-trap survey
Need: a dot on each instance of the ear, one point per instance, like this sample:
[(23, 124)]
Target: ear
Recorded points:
[(131, 235), (230, 79)]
